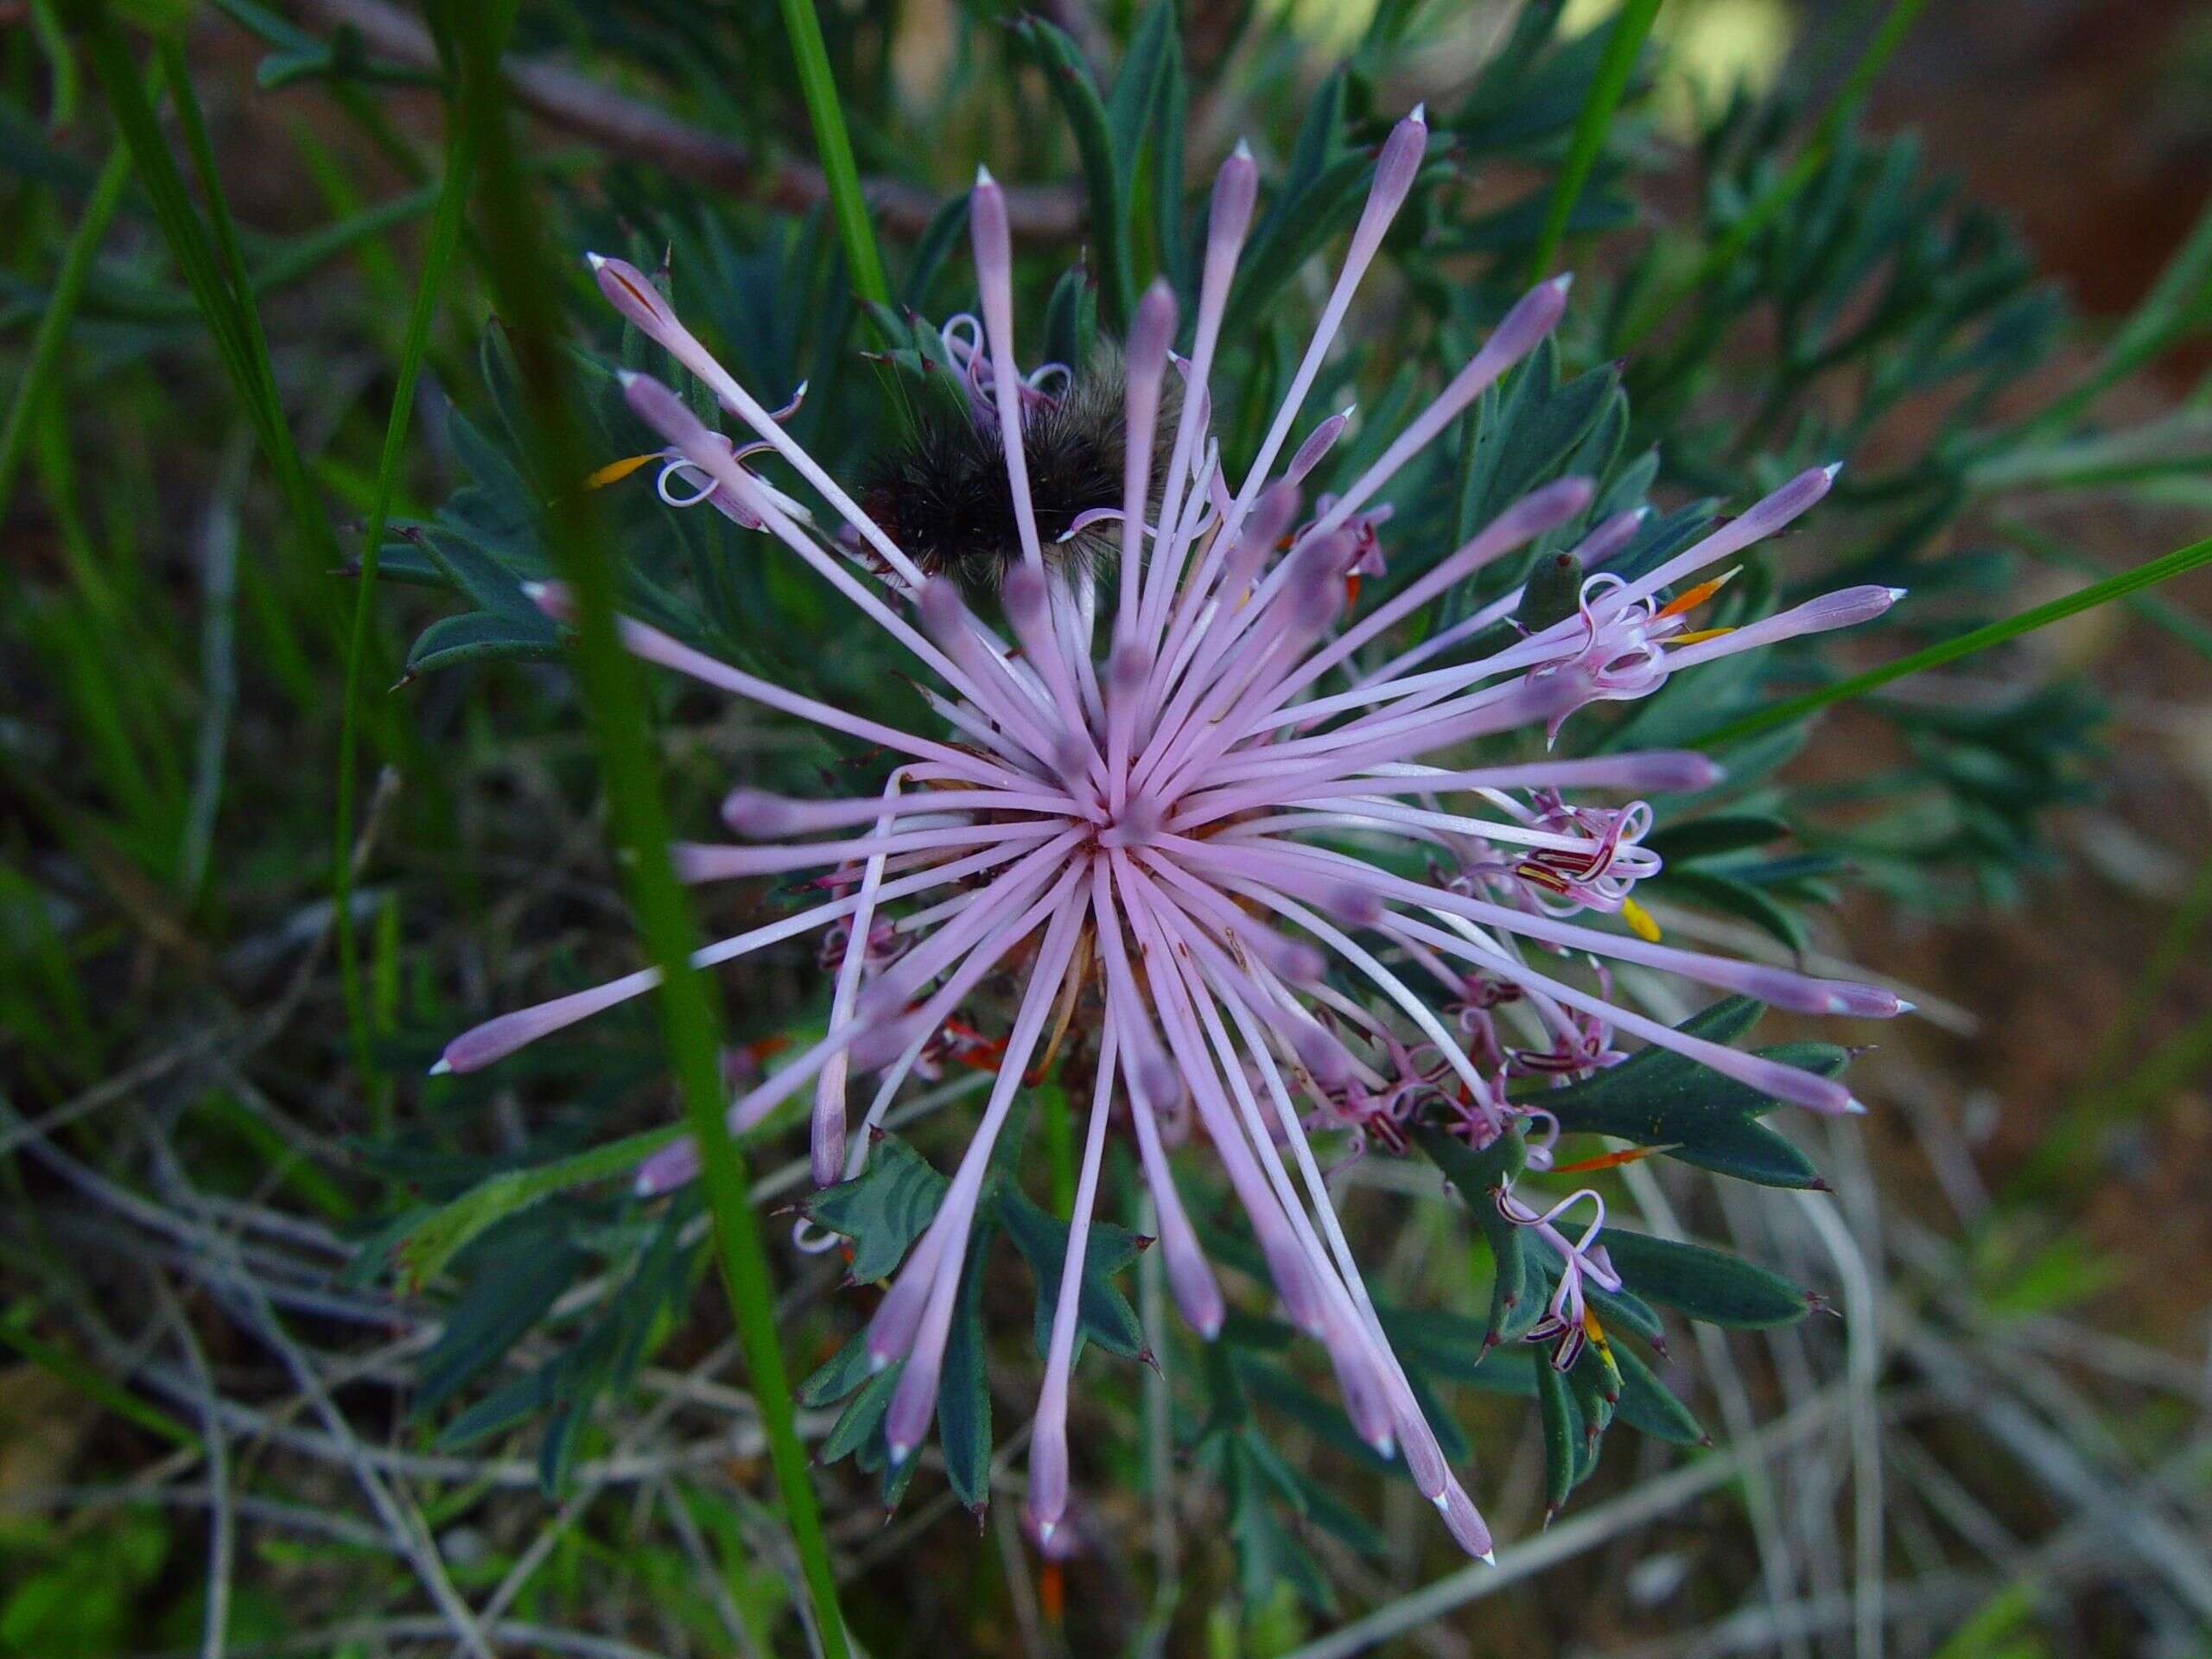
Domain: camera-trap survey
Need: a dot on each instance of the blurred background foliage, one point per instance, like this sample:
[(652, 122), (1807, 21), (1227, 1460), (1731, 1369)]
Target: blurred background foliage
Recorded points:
[(310, 1350)]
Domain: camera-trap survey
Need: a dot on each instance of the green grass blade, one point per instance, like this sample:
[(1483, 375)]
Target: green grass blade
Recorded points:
[(2153, 609), (1950, 651), (834, 145), (613, 695), (215, 271), (284, 454), (1632, 25), (437, 262), (45, 358)]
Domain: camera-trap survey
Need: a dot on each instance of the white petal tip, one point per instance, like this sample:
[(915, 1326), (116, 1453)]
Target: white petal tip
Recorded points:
[(1905, 1006), (898, 1453), (1832, 469), (1854, 1106), (1896, 594), (1386, 1447), (443, 1067), (627, 377), (1643, 513), (1244, 151), (1209, 1330), (596, 261), (876, 1362), (1488, 1558), (1046, 1530), (983, 178), (1564, 281), (1442, 1500), (1419, 115)]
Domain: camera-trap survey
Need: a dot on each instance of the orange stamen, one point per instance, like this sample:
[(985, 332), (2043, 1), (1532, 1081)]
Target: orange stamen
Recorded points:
[(1690, 600), (1607, 1160)]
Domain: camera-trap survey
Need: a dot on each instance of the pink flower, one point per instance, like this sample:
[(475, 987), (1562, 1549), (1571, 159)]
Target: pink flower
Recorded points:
[(1132, 782)]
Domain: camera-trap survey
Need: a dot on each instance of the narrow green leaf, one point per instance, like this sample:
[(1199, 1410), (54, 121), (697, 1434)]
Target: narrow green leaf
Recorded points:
[(1152, 45), (1648, 1407), (1479, 1177), (1703, 1282), (817, 86), (862, 1422), (964, 1393), (459, 641), (44, 359), (1631, 24), (472, 637), (511, 1292), (431, 1243), (1563, 1436), (840, 1374), (1069, 78)]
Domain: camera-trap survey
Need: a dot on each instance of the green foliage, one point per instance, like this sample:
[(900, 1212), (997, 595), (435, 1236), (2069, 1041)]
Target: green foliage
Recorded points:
[(881, 1212), (1655, 1098)]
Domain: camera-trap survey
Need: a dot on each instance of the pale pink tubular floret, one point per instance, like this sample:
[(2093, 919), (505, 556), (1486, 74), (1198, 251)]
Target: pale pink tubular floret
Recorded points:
[(1136, 788)]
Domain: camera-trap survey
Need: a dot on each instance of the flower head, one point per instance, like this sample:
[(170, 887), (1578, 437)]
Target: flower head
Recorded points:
[(1149, 799)]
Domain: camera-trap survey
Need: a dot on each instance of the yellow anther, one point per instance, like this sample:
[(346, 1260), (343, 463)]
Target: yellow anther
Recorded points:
[(1639, 921), (1596, 1332), (1696, 634), (615, 471)]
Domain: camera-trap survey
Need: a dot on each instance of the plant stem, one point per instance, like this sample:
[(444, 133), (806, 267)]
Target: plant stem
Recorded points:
[(614, 701), (60, 308), (1950, 651), (1631, 24), (2195, 634), (437, 260), (834, 146)]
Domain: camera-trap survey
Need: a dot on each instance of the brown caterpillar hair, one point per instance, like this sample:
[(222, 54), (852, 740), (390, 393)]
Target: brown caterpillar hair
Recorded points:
[(943, 496)]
